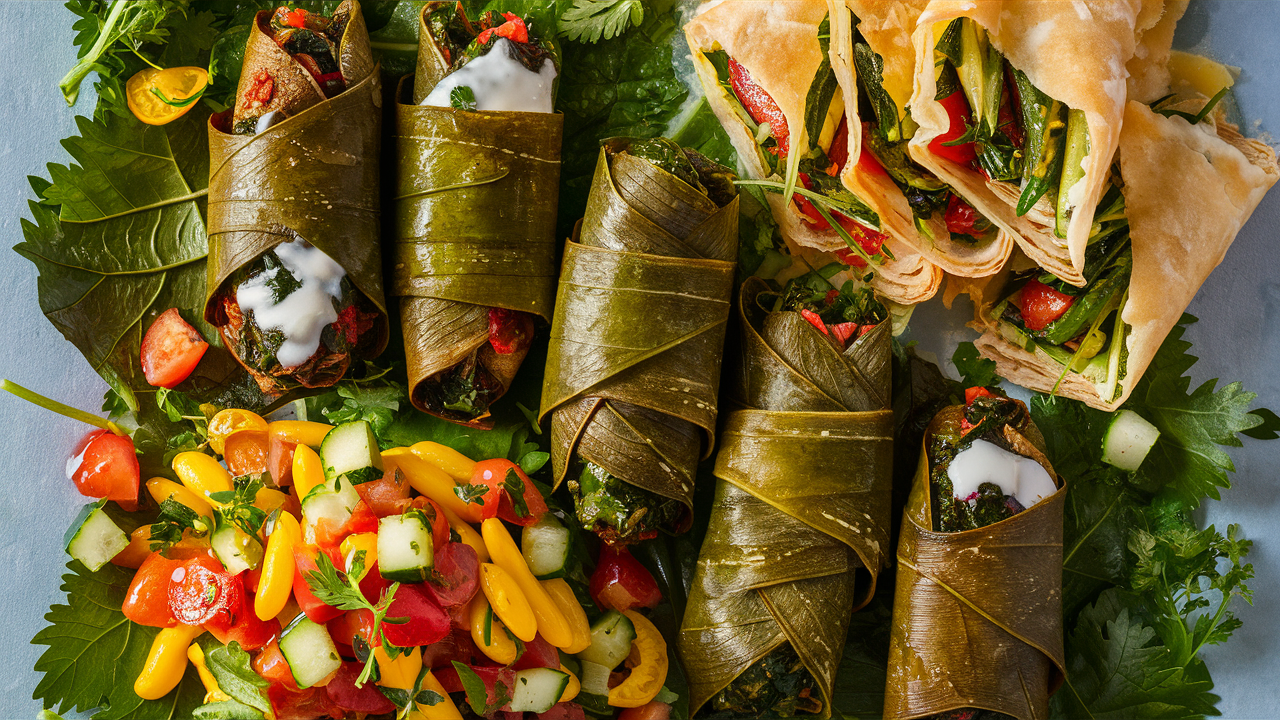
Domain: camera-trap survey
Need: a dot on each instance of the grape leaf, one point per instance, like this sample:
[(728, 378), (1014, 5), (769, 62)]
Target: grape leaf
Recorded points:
[(94, 653)]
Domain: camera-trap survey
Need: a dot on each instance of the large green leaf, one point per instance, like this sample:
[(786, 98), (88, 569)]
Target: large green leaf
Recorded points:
[(119, 236)]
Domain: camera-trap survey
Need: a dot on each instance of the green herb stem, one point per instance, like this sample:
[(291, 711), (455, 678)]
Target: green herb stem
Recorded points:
[(36, 398)]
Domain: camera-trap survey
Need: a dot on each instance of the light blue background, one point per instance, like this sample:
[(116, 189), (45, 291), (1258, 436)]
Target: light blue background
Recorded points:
[(1238, 338)]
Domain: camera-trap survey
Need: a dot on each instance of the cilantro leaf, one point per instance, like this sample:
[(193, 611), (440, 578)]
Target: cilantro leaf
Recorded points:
[(515, 490), (1117, 668), (95, 653), (590, 20), (1188, 461), (231, 666), (975, 370)]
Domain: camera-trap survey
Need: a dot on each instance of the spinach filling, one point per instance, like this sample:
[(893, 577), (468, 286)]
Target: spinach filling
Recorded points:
[(776, 685), (984, 418), (460, 40), (463, 392), (1089, 338), (619, 511)]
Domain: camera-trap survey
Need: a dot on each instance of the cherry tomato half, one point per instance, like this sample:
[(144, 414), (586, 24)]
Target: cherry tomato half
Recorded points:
[(171, 349), (200, 591), (957, 108), (1041, 304), (104, 464), (620, 582), (759, 104)]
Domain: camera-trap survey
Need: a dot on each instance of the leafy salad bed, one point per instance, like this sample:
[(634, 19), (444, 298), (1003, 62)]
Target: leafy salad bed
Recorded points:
[(118, 236)]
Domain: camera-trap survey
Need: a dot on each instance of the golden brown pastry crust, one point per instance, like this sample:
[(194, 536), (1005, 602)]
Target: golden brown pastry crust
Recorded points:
[(1188, 190), (1099, 38), (752, 32)]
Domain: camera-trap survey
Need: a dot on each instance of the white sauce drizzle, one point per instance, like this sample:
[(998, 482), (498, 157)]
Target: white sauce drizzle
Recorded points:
[(983, 462), (303, 314), (500, 82)]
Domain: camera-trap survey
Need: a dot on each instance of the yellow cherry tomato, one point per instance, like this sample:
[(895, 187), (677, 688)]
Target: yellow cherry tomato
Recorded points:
[(275, 586), (232, 420), (508, 603), (138, 549), (299, 431), (213, 692), (552, 624), (500, 648), (202, 475), (648, 663), (159, 96), (162, 489), (562, 595), (166, 662), (308, 471), (431, 481), (573, 688)]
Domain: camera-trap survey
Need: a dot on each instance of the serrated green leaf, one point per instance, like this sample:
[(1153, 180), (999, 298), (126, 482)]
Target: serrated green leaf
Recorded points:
[(94, 653), (592, 20), (975, 370), (231, 667)]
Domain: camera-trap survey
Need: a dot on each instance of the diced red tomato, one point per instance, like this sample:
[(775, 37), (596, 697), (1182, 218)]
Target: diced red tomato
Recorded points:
[(1041, 304), (373, 585), (247, 629), (386, 495), (867, 161), (428, 622), (436, 516), (654, 710), (843, 331), (104, 465), (962, 218), (202, 591), (973, 393), (305, 562), (307, 704), (280, 460), (171, 349), (497, 502), (456, 576), (343, 692), (869, 240), (564, 711), (759, 105), (510, 331), (296, 18), (538, 654), (262, 89), (957, 108), (456, 646), (272, 666), (838, 153), (362, 520), (620, 582), (814, 320), (348, 626), (513, 29), (147, 601)]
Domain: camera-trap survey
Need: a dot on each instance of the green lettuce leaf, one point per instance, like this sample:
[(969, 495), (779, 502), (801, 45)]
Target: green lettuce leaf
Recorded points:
[(94, 653)]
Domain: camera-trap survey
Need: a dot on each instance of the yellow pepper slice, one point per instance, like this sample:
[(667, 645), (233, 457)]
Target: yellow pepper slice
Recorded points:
[(308, 471), (648, 663), (302, 432), (275, 586), (159, 96), (508, 603), (431, 481), (552, 624), (166, 662), (573, 688), (232, 420), (213, 692), (403, 672), (562, 595), (500, 648), (162, 489), (202, 475), (468, 534)]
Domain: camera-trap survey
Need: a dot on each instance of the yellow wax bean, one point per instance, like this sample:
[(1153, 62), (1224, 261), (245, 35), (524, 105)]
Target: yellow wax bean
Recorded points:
[(276, 584), (431, 481), (564, 599), (403, 672), (299, 431), (213, 692), (457, 465), (500, 648), (552, 624), (573, 688), (368, 542), (162, 489), (202, 475), (468, 534), (508, 603), (167, 662), (308, 471)]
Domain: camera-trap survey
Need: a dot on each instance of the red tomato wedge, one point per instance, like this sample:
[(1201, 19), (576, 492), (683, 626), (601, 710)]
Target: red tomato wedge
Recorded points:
[(538, 654), (272, 666), (428, 622), (105, 465), (171, 349), (457, 646), (386, 495), (620, 582), (758, 104), (280, 459), (343, 692), (973, 393), (497, 500), (201, 591), (305, 562), (957, 108), (456, 576), (1041, 304), (961, 217), (147, 601)]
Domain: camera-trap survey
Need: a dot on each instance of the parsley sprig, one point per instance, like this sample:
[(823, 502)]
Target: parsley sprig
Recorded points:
[(593, 20), (173, 520), (342, 590), (240, 510)]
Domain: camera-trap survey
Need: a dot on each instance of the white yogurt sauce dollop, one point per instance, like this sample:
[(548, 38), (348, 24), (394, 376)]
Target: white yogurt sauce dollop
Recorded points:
[(984, 462), (500, 82), (303, 314)]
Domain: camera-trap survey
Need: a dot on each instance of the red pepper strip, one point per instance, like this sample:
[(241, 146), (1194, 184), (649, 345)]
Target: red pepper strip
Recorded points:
[(759, 105), (1041, 304), (844, 331), (973, 393), (957, 108)]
